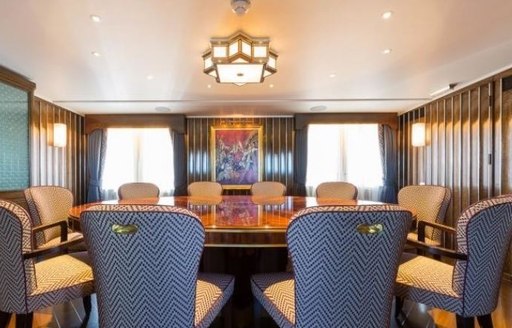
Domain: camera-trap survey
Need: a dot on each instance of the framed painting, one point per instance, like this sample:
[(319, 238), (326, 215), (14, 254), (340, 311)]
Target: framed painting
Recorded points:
[(236, 156)]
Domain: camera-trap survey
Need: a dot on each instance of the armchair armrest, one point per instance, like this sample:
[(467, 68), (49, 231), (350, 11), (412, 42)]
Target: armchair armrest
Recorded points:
[(63, 228), (436, 250), (53, 249), (423, 224)]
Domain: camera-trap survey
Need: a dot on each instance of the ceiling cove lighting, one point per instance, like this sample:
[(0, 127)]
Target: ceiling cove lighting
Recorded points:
[(444, 89), (240, 59), (418, 134)]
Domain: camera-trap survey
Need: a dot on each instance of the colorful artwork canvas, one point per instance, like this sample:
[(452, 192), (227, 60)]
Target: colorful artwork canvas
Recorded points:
[(236, 156)]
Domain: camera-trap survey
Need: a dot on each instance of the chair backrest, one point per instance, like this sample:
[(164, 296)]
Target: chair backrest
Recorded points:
[(268, 188), (345, 260), (145, 260), (430, 203), (135, 190), (484, 231), (48, 204), (17, 276), (336, 189), (204, 188)]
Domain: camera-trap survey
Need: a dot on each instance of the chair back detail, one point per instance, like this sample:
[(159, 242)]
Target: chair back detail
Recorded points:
[(135, 190), (268, 188), (345, 260), (430, 203), (484, 232), (17, 276), (204, 188), (48, 204), (336, 189), (145, 261)]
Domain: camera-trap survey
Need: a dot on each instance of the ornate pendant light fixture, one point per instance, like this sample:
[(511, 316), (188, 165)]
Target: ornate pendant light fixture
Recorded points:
[(240, 59)]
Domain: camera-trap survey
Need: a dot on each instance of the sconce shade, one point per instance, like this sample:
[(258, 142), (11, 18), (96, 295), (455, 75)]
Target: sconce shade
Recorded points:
[(418, 134), (59, 135)]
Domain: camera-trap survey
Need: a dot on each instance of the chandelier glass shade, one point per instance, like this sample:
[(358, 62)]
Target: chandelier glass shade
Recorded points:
[(240, 59)]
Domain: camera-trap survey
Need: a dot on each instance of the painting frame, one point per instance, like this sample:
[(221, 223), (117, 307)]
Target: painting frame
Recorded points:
[(236, 155)]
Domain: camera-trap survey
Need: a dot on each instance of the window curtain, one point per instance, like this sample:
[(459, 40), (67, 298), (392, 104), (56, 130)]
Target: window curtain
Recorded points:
[(388, 153), (180, 164), (300, 161), (96, 150)]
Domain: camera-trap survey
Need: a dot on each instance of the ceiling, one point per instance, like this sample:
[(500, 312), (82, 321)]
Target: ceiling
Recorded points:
[(434, 43)]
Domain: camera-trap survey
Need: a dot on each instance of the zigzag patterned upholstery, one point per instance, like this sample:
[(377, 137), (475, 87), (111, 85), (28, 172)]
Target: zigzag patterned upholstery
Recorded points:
[(136, 190), (148, 277), (204, 188), (430, 204), (27, 286), (345, 260), (336, 189), (468, 288), (48, 204), (268, 188)]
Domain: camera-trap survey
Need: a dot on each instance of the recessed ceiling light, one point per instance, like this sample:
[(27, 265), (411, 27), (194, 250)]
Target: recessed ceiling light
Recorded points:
[(386, 51), (320, 108), (271, 86), (150, 77), (162, 109), (332, 75), (95, 18), (95, 54), (209, 86), (387, 15)]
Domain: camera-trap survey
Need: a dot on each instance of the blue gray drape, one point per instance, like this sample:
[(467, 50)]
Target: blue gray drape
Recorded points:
[(388, 154), (300, 161), (96, 149), (180, 163)]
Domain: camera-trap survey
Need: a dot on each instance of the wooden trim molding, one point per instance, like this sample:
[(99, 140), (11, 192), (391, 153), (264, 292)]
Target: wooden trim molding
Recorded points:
[(176, 122), (16, 80), (303, 120)]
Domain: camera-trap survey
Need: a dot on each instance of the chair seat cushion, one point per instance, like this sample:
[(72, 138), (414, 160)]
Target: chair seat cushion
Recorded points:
[(61, 279), (212, 292), (276, 293), (414, 236), (56, 241), (428, 281)]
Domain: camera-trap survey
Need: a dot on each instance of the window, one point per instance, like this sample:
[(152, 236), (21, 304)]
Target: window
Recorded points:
[(345, 152), (138, 155)]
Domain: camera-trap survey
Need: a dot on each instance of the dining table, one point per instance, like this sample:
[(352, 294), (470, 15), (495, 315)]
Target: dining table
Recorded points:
[(235, 220)]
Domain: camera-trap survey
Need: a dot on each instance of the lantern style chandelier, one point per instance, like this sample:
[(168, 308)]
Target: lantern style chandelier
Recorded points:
[(240, 59)]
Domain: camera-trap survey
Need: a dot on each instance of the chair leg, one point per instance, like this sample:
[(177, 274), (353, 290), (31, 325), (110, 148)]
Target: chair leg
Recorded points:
[(399, 303), (4, 319), (485, 321), (463, 322), (24, 320), (87, 305)]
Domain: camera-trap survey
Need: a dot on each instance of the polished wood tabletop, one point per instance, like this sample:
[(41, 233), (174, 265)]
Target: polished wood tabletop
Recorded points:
[(236, 221)]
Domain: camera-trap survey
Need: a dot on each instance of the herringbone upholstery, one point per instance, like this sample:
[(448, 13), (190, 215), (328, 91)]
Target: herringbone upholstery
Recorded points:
[(135, 190), (48, 204), (430, 204), (268, 188), (337, 189), (204, 188), (27, 286), (150, 278), (469, 288), (342, 278)]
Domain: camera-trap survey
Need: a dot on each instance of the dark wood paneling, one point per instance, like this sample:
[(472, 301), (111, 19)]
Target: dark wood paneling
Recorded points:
[(278, 145), (175, 122), (302, 120)]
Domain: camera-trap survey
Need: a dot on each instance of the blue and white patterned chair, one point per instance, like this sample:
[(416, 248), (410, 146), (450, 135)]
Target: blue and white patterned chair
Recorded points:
[(268, 189), (145, 260), (470, 287), (336, 189), (345, 260), (135, 190), (48, 205), (27, 285)]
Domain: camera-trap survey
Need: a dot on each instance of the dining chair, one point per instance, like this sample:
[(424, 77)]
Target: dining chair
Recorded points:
[(204, 188), (47, 205), (134, 190), (470, 286), (145, 260), (27, 285), (430, 203), (336, 189), (268, 188), (345, 260)]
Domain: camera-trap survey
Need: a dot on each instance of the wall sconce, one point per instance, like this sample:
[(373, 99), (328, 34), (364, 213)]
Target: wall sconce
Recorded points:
[(59, 135), (418, 134)]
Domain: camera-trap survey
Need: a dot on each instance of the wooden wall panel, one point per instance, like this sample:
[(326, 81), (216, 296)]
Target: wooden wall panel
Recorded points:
[(50, 165), (278, 146)]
